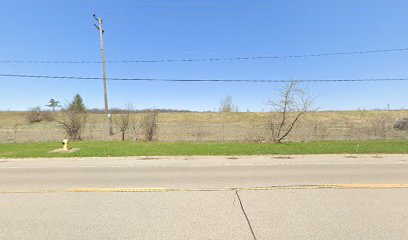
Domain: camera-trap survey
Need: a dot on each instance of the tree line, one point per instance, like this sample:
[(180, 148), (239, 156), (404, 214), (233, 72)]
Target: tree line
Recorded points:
[(290, 104)]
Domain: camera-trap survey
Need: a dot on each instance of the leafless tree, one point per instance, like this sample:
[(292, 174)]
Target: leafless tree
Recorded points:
[(292, 104), (124, 122), (226, 105), (73, 122), (150, 124)]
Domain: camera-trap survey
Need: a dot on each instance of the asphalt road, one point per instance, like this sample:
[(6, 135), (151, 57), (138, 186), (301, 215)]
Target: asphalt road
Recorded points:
[(260, 197)]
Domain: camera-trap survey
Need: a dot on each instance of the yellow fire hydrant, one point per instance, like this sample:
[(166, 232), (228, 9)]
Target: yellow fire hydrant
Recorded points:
[(65, 144)]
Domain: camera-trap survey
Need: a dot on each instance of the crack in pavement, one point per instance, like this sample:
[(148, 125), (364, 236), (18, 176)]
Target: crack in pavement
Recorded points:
[(246, 216)]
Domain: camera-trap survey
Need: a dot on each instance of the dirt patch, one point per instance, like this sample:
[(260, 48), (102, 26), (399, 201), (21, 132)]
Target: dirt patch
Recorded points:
[(232, 158), (59, 150), (149, 158), (351, 156), (282, 157)]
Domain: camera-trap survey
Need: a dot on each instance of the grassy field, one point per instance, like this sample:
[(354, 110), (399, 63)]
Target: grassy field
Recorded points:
[(218, 127), (115, 148)]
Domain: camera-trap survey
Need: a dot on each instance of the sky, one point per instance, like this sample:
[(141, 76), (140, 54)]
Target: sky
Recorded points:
[(185, 29)]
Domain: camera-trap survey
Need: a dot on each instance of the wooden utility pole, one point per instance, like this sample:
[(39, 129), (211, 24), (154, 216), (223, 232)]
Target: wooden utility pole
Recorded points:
[(105, 90)]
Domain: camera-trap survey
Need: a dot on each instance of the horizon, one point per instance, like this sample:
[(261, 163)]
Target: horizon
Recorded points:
[(170, 110)]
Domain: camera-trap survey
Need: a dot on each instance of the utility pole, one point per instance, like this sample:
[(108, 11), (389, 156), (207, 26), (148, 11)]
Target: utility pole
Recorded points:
[(105, 90)]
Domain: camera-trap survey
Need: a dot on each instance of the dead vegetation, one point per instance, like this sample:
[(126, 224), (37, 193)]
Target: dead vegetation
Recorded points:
[(73, 118), (124, 122), (227, 106), (36, 115), (149, 124), (401, 124), (293, 102), (73, 123), (217, 127)]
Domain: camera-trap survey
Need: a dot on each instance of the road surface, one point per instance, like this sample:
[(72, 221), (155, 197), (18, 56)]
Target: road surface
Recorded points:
[(252, 197)]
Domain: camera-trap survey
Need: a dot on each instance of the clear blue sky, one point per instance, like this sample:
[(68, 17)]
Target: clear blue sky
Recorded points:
[(164, 29)]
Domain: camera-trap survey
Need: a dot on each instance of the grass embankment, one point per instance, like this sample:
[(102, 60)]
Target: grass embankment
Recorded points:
[(213, 127), (105, 149)]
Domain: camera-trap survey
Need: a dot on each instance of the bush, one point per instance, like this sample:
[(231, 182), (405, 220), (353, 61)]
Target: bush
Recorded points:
[(73, 118), (48, 116), (150, 124), (124, 122), (37, 115), (73, 122), (401, 124)]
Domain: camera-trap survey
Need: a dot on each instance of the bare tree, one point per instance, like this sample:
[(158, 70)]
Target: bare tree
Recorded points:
[(123, 123), (149, 124), (227, 106), (73, 122), (286, 111)]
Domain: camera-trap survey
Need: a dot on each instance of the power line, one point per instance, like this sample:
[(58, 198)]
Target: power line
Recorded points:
[(208, 59), (205, 80)]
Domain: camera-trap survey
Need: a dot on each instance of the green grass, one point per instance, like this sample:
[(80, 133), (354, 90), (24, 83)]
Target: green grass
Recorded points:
[(105, 149)]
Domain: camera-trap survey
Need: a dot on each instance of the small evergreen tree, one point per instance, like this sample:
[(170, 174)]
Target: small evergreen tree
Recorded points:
[(77, 104)]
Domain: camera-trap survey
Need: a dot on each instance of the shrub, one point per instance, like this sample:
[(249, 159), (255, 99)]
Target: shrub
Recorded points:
[(73, 122), (73, 118), (150, 124), (124, 122), (35, 115), (401, 124)]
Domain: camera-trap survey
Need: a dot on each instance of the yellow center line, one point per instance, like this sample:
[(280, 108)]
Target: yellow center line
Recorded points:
[(268, 188), (148, 189)]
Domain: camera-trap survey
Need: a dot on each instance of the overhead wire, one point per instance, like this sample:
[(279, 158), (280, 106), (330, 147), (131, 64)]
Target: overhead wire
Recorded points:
[(206, 59), (204, 80)]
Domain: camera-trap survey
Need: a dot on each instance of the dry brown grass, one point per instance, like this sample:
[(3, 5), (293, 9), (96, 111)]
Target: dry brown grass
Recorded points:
[(330, 125)]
